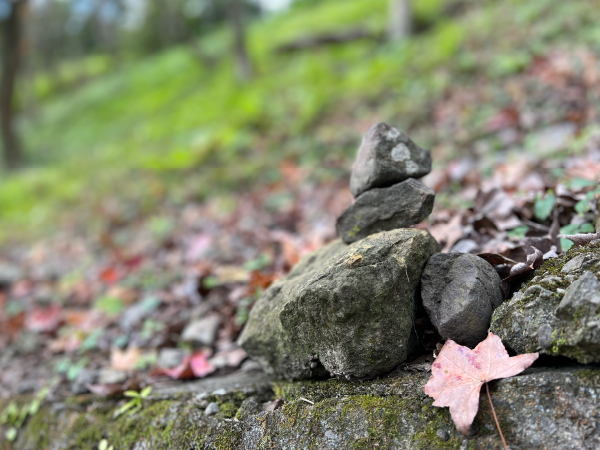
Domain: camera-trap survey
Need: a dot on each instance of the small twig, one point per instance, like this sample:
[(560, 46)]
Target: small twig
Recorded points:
[(306, 400), (494, 413)]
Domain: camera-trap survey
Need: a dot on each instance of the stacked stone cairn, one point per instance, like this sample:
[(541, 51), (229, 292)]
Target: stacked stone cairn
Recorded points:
[(348, 309), (388, 195)]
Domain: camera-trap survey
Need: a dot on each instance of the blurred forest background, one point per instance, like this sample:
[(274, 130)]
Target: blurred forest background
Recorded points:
[(99, 97)]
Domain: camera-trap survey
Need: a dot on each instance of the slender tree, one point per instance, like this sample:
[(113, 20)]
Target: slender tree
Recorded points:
[(240, 50), (400, 24), (12, 36)]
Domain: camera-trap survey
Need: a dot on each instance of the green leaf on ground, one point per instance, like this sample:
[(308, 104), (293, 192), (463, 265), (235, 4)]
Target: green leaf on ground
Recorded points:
[(111, 306), (543, 206), (518, 232)]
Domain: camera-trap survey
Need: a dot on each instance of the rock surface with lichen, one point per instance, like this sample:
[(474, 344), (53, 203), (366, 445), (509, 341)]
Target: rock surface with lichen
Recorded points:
[(557, 312), (343, 310), (546, 408)]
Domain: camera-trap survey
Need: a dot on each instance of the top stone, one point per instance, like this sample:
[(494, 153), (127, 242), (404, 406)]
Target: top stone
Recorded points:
[(387, 156)]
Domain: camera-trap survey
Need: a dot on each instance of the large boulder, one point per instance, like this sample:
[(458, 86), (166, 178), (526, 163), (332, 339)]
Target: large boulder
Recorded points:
[(460, 292), (557, 312), (384, 209), (387, 156), (343, 310)]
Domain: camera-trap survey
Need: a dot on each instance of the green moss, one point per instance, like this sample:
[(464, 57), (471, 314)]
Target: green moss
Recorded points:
[(435, 419), (382, 406), (589, 375), (228, 410), (229, 439), (352, 233)]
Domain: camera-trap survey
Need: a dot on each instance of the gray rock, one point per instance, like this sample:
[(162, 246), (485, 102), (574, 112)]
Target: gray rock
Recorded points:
[(136, 313), (385, 209), (84, 377), (555, 321), (545, 336), (460, 292), (387, 156), (170, 357), (443, 435), (111, 376), (10, 273), (582, 295), (346, 310), (202, 331), (580, 262), (211, 409)]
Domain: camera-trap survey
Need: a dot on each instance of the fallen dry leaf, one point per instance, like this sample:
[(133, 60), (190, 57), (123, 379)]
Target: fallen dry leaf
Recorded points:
[(496, 259), (459, 372), (192, 366), (200, 365), (124, 360), (581, 239), (44, 320)]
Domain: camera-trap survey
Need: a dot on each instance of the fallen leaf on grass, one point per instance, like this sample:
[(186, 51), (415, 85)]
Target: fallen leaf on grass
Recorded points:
[(459, 372)]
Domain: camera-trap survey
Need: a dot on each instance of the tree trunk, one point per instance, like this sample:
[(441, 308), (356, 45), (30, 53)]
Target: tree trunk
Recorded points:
[(12, 30), (400, 25), (240, 52)]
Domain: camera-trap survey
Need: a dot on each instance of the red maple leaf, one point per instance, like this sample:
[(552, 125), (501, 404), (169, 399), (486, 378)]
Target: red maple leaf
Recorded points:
[(192, 366), (44, 319), (459, 372), (200, 365)]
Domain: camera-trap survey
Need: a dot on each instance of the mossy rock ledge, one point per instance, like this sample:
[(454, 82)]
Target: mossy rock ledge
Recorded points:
[(558, 311), (544, 408), (345, 310)]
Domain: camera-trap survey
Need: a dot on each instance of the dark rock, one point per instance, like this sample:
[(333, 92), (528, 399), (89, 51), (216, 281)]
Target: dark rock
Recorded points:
[(460, 292), (344, 310), (387, 156), (386, 209), (443, 435), (558, 315)]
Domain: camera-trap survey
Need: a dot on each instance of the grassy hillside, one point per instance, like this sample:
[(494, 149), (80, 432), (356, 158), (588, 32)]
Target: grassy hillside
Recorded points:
[(116, 136)]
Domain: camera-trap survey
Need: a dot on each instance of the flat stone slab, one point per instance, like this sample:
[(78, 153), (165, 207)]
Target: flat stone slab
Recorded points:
[(387, 156), (553, 408), (384, 209)]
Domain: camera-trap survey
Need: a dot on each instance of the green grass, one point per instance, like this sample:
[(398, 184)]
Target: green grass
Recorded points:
[(170, 112)]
